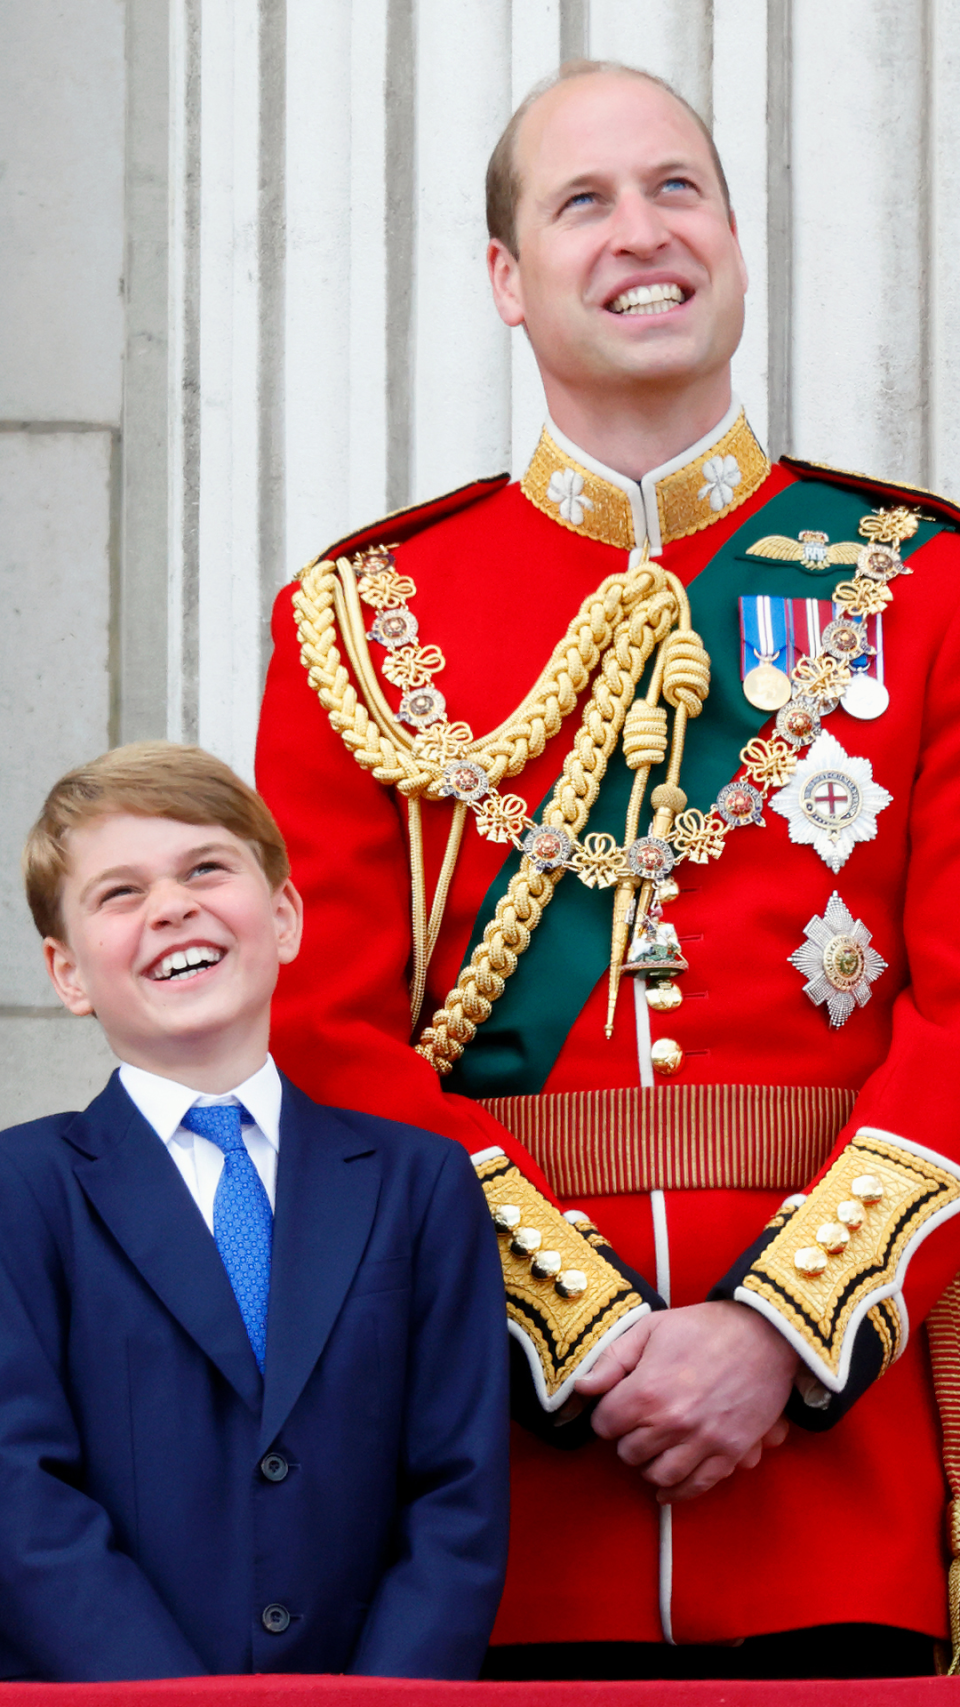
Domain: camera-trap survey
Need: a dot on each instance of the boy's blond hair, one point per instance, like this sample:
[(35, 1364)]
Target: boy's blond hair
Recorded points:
[(152, 779)]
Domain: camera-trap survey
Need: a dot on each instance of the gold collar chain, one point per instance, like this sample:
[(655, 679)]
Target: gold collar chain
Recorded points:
[(817, 687)]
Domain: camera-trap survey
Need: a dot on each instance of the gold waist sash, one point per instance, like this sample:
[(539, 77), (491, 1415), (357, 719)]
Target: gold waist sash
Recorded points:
[(677, 1137)]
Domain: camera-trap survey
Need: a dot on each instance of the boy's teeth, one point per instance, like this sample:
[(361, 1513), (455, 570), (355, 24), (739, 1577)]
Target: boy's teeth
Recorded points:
[(647, 299), (186, 962)]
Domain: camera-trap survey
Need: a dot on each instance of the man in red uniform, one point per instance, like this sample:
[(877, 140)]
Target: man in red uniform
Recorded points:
[(522, 745)]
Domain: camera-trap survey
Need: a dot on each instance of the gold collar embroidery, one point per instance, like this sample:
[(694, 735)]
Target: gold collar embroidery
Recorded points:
[(701, 492)]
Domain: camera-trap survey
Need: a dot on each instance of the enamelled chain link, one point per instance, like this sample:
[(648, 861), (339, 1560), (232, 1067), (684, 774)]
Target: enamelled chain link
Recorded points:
[(441, 747), (818, 685)]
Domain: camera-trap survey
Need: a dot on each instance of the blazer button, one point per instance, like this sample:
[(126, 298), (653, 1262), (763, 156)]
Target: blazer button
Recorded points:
[(275, 1618), (274, 1467)]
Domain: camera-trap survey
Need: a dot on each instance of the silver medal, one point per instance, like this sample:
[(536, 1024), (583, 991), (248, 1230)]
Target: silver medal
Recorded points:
[(865, 698)]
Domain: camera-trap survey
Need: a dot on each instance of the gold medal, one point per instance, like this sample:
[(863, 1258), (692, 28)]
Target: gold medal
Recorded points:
[(766, 687)]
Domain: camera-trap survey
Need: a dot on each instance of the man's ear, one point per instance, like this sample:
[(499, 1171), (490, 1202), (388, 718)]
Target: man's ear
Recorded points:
[(288, 919), (744, 275), (65, 976), (504, 270)]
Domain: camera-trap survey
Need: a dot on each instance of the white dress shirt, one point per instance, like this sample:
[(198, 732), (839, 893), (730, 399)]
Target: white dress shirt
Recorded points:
[(163, 1104)]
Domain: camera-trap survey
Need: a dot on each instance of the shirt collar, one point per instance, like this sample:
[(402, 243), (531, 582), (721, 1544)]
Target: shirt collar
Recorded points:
[(698, 487), (163, 1102)]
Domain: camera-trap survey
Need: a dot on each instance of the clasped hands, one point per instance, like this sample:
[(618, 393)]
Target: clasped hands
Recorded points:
[(691, 1394)]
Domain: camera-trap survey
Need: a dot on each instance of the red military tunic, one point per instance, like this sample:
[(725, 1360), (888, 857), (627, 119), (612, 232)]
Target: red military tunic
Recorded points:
[(845, 1525)]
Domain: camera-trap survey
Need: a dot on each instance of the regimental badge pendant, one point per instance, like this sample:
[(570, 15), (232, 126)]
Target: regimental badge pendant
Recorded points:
[(837, 961), (831, 801)]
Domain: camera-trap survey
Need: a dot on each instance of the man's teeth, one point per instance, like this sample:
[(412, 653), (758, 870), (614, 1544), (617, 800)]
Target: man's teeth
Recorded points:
[(187, 962), (647, 299)]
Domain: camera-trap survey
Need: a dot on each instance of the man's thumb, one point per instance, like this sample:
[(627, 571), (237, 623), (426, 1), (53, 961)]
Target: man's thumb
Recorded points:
[(616, 1360)]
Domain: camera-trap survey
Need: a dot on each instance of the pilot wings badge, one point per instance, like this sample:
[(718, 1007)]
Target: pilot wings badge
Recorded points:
[(811, 549)]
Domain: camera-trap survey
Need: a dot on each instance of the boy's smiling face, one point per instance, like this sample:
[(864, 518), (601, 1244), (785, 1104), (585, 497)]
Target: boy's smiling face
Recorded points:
[(173, 938)]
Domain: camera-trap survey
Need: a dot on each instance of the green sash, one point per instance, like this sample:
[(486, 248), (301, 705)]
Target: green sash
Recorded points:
[(515, 1049)]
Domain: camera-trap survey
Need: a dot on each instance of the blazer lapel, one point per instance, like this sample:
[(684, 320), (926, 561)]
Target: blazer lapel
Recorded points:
[(135, 1187), (328, 1184)]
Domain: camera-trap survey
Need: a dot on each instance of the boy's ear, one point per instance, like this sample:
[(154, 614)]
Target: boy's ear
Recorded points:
[(288, 918), (65, 976)]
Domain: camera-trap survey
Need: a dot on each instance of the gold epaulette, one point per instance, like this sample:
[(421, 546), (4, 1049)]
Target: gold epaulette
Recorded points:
[(840, 1254), (565, 1302)]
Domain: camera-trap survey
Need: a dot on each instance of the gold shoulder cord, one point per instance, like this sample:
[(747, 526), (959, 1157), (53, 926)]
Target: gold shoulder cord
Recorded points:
[(614, 635)]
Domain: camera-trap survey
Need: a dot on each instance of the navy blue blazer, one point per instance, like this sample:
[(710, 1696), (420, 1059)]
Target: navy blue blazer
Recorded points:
[(166, 1512)]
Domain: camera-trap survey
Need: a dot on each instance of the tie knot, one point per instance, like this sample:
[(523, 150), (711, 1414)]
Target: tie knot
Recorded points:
[(218, 1121)]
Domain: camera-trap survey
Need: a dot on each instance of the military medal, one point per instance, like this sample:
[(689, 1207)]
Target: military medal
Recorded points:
[(866, 697), (837, 961), (764, 638), (831, 801)]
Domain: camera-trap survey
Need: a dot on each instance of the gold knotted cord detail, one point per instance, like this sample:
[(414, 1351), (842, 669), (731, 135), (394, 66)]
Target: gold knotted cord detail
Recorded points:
[(612, 638), (658, 602), (327, 598), (605, 1143)]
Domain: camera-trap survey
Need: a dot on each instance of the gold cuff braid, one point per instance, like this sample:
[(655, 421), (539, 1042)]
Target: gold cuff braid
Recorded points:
[(844, 1244), (562, 1331)]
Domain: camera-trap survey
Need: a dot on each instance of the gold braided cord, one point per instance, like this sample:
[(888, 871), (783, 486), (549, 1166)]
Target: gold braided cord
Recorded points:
[(418, 909), (682, 674), (519, 911), (369, 728), (424, 932)]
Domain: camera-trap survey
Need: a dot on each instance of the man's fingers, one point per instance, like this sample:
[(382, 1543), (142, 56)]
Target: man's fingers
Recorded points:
[(707, 1474), (617, 1360), (776, 1435), (638, 1446)]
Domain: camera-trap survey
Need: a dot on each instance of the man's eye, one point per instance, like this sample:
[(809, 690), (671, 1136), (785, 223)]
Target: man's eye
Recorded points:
[(581, 199), (676, 184)]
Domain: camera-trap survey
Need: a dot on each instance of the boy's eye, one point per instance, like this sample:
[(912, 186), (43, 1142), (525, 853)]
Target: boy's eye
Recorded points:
[(204, 866), (117, 893)]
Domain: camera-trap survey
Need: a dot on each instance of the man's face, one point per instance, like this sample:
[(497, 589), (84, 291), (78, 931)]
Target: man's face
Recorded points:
[(173, 937), (629, 270)]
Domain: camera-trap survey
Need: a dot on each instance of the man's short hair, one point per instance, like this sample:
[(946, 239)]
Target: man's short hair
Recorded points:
[(151, 779), (503, 178)]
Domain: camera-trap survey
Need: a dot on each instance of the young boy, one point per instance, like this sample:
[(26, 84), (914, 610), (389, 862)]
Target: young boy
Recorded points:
[(238, 1431)]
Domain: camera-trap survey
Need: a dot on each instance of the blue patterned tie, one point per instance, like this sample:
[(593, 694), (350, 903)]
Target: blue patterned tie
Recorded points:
[(242, 1217)]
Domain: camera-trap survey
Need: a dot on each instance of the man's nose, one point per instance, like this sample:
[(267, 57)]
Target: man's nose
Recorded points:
[(638, 227)]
